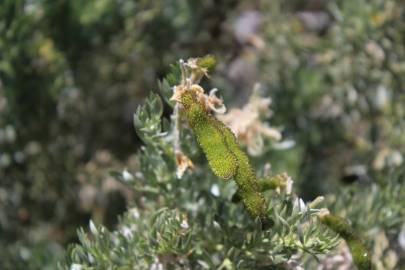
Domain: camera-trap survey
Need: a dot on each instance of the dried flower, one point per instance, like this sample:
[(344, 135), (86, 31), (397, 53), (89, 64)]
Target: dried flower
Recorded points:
[(246, 125), (184, 224), (197, 71), (211, 102), (183, 163)]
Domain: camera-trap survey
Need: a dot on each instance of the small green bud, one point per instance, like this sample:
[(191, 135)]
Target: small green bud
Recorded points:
[(207, 62)]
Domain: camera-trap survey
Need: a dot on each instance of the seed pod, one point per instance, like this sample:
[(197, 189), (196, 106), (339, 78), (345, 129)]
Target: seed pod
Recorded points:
[(360, 254)]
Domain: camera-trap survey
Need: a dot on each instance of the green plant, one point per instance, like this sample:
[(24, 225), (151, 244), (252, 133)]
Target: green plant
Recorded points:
[(206, 228)]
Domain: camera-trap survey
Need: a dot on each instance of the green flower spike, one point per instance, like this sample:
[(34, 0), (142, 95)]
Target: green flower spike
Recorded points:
[(221, 160), (219, 144)]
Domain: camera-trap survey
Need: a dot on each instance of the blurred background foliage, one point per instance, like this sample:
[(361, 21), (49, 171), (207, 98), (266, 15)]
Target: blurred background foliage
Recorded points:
[(336, 73), (73, 72)]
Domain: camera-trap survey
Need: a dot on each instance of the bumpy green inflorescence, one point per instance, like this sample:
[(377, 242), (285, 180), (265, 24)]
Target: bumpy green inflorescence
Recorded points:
[(360, 254), (245, 177), (224, 155), (221, 160)]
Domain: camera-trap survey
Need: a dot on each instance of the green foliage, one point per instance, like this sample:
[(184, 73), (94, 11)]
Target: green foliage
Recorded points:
[(148, 117), (215, 232), (337, 86), (72, 73), (163, 235), (374, 210), (384, 202)]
